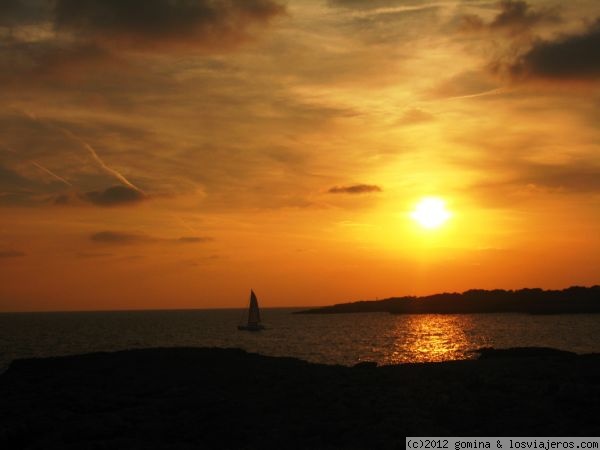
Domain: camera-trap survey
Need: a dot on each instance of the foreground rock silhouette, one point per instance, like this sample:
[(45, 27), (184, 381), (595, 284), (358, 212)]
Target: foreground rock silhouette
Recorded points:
[(201, 398)]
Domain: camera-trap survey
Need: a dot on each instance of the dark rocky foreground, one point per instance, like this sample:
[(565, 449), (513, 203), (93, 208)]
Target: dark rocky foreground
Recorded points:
[(197, 398)]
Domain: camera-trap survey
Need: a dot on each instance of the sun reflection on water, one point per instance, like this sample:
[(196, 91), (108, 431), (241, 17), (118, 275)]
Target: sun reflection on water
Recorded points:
[(429, 337)]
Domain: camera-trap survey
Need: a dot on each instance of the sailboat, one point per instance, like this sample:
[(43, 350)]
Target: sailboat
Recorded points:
[(253, 315)]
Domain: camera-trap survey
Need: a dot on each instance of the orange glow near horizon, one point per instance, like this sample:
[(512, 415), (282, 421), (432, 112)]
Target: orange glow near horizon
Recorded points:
[(295, 147)]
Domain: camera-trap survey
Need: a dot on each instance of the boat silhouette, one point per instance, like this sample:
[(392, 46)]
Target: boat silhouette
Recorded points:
[(253, 323)]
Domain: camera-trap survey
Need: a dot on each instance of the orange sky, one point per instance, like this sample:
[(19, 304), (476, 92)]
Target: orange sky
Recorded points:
[(176, 155)]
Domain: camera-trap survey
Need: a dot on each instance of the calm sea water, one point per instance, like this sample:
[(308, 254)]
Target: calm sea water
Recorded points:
[(334, 339)]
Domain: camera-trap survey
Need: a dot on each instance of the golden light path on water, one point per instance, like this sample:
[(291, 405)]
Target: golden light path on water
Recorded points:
[(429, 338)]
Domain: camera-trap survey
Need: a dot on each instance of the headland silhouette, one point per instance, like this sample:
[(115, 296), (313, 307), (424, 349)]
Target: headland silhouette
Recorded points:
[(573, 300)]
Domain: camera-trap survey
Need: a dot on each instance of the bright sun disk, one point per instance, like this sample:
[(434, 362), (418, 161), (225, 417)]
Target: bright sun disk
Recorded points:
[(431, 213)]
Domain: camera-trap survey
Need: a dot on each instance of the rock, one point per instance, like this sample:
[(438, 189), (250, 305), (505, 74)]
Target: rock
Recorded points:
[(523, 352), (365, 365), (190, 398)]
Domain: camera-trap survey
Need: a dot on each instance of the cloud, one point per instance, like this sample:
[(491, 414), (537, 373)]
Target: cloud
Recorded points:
[(414, 116), (23, 12), (574, 56), (16, 189), (515, 16), (515, 49), (11, 179), (146, 24), (68, 39), (373, 4), (465, 84), (11, 254), (512, 180), (156, 23), (193, 239), (515, 13), (45, 162), (354, 189), (52, 174), (576, 177), (120, 238), (114, 196)]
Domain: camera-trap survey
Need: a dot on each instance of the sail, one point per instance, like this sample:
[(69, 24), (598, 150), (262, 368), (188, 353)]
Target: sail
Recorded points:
[(254, 313)]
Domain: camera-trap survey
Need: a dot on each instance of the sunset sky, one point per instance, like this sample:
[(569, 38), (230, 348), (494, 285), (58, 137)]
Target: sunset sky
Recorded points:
[(175, 154)]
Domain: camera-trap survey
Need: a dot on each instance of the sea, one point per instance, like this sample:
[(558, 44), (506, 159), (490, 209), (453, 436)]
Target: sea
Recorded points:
[(344, 339)]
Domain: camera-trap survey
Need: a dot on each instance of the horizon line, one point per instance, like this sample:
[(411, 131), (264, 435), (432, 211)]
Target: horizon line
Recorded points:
[(285, 307), (225, 308)]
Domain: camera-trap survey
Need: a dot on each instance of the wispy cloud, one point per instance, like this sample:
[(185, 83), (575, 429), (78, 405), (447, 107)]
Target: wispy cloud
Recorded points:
[(354, 189), (11, 254), (194, 239), (123, 237)]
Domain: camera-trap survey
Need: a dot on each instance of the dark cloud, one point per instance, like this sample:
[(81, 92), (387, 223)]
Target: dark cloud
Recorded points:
[(120, 237), (158, 21), (16, 189), (574, 56), (67, 60), (576, 177), (114, 196), (515, 16), (517, 13), (511, 180), (354, 189), (11, 179), (193, 239), (11, 254), (148, 23), (96, 33), (373, 4), (62, 199), (23, 12)]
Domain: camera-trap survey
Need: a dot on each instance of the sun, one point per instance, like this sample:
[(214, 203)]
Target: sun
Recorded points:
[(430, 213)]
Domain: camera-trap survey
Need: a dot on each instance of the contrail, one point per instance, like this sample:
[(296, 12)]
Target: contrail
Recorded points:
[(479, 94), (42, 168), (101, 163), (49, 172), (90, 149)]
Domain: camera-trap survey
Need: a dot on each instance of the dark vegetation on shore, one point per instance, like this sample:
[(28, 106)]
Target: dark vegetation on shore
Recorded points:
[(194, 398), (573, 300)]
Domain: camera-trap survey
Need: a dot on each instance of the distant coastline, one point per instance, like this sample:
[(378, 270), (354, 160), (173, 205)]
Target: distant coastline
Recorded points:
[(572, 300)]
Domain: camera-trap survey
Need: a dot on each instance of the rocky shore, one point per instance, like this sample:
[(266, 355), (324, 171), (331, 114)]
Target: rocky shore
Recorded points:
[(203, 398)]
